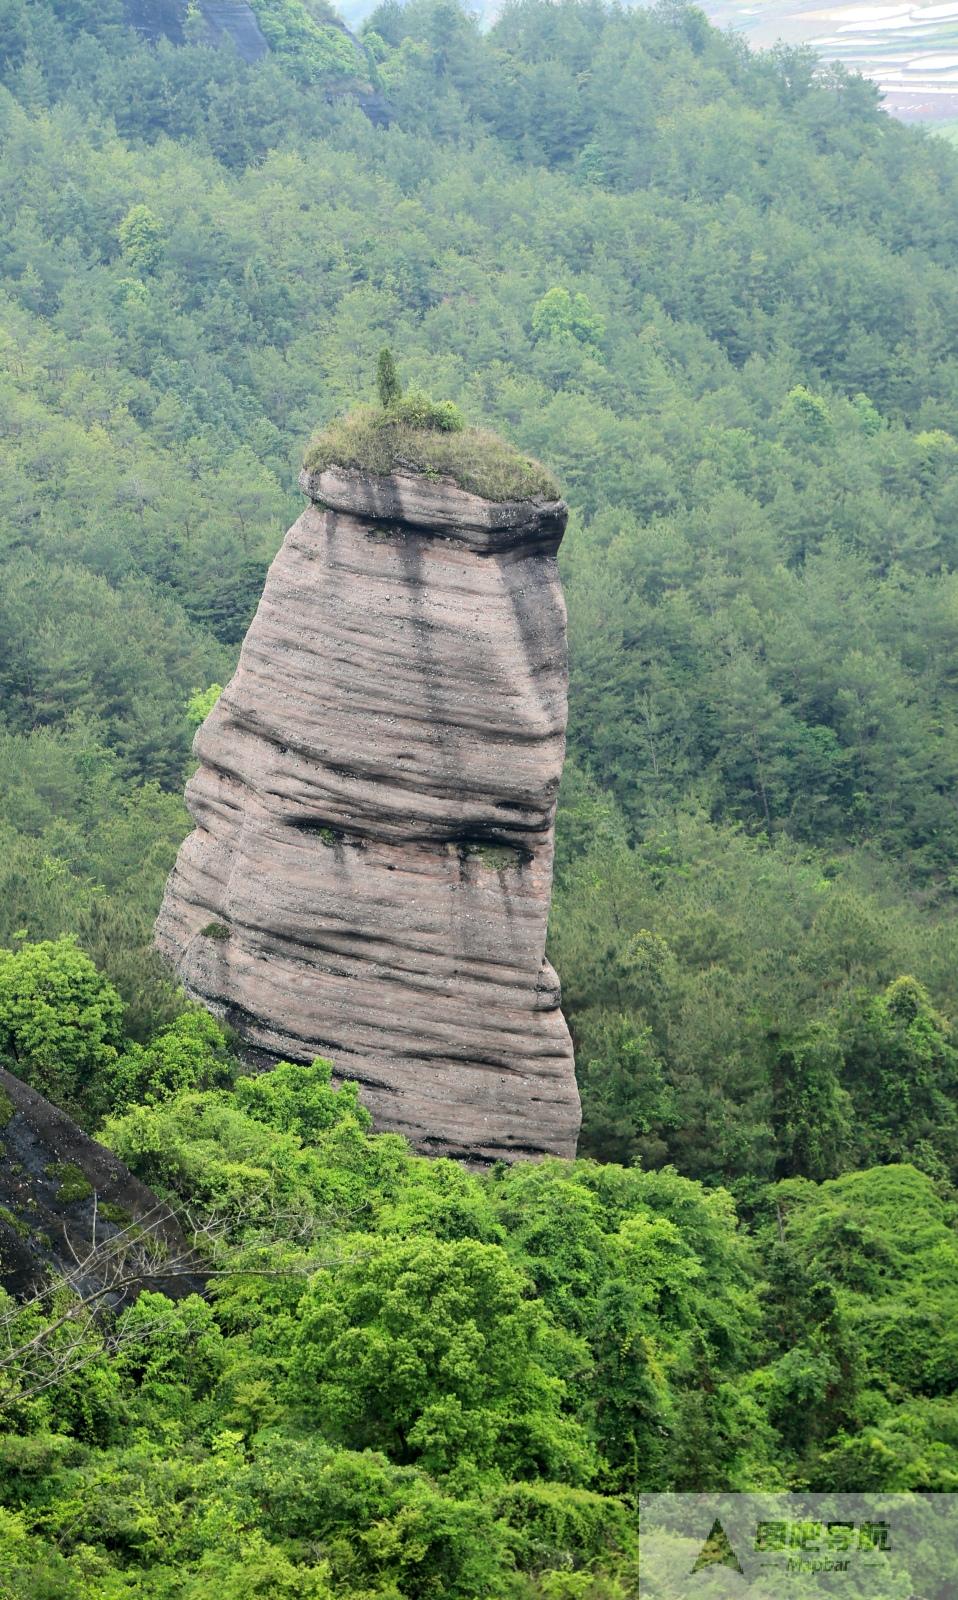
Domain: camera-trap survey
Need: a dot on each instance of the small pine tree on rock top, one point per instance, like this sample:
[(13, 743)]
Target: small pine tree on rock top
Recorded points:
[(413, 407), (387, 378), (408, 429)]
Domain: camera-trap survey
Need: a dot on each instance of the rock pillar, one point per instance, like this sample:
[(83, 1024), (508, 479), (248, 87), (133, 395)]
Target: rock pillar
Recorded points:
[(370, 874)]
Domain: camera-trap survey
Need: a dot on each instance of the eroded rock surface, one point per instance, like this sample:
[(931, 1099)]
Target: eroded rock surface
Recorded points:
[(370, 874), (61, 1193)]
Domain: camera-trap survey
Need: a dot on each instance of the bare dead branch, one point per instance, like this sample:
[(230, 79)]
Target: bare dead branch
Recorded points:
[(78, 1304)]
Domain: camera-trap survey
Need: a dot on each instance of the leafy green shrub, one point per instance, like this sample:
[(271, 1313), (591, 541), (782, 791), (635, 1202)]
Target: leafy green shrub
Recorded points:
[(201, 703), (141, 239), (287, 1139), (564, 317), (300, 1099), (435, 1353), (377, 1521), (60, 1022), (810, 411), (416, 408), (191, 1053), (313, 47), (556, 1525)]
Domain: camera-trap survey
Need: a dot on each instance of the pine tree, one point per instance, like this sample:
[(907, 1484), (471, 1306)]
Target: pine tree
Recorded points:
[(387, 378)]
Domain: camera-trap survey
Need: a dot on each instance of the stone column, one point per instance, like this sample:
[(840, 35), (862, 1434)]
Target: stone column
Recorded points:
[(370, 874)]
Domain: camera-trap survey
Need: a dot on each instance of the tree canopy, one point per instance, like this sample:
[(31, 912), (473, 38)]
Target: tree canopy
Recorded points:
[(714, 292)]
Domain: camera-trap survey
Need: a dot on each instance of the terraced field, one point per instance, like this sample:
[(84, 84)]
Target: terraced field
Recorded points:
[(910, 51)]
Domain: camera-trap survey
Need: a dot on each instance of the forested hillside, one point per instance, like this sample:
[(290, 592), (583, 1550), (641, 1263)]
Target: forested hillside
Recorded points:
[(716, 295)]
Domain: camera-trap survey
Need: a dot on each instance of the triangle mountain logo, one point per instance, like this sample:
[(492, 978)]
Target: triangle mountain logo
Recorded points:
[(717, 1551)]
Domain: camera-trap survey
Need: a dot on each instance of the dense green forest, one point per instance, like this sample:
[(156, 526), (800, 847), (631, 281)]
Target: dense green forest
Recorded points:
[(715, 294)]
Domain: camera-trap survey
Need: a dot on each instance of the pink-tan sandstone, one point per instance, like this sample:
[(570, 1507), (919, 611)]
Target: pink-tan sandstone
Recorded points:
[(370, 873)]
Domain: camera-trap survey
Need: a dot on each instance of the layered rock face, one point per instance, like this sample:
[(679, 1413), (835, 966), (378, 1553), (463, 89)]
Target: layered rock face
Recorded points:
[(370, 875)]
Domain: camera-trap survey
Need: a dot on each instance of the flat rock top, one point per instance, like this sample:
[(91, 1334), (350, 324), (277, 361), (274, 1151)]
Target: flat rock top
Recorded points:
[(437, 504)]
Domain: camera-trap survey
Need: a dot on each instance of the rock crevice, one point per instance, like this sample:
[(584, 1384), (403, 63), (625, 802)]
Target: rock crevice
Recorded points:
[(370, 873)]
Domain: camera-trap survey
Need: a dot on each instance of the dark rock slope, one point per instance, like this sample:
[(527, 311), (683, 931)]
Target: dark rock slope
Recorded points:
[(57, 1186), (227, 21), (371, 870)]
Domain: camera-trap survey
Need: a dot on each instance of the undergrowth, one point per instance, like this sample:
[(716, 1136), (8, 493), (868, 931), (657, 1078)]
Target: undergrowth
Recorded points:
[(374, 439)]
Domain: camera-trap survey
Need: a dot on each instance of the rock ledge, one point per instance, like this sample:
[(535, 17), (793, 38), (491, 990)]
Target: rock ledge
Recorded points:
[(439, 505)]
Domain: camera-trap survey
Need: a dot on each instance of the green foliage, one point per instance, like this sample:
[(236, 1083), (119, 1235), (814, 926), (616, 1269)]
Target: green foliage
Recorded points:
[(301, 1100), (862, 1309), (244, 1151), (901, 1068), (496, 857), (435, 1353), (869, 417), (388, 385), (20, 1228), (201, 703), (747, 1036), (625, 1090), (434, 441), (440, 1381), (416, 410), (310, 39), (141, 239), (73, 1185), (715, 292), (560, 315), (811, 1113), (60, 1023), (190, 1053), (809, 411)]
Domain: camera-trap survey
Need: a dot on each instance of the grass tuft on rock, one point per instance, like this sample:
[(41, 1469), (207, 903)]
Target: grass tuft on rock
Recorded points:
[(382, 440)]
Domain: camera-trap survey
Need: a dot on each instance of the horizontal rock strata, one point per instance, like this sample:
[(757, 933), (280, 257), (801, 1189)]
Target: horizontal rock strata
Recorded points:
[(370, 874)]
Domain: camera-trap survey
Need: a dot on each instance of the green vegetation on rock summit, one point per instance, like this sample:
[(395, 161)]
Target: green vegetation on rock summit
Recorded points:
[(380, 440)]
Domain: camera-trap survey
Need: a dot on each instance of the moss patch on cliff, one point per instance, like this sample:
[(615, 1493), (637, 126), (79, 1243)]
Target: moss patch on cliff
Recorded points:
[(74, 1184), (494, 857), (20, 1228), (373, 439)]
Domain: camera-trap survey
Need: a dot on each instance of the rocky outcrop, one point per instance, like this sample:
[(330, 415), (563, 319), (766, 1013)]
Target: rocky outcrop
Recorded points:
[(226, 22), (370, 875), (61, 1193), (233, 25)]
